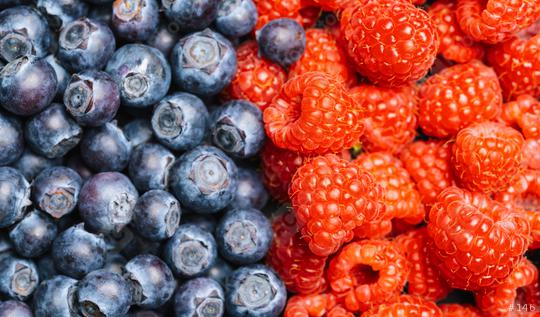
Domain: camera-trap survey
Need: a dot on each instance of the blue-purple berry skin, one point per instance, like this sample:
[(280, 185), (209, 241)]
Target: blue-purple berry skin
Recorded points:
[(206, 222), (138, 131), (156, 215), (34, 234), (164, 38), (31, 164), (236, 18), (18, 277), (105, 148), (282, 41), (54, 297), (200, 296), (56, 190), (135, 20), (149, 166), (220, 271), (61, 12), (12, 140), (14, 197), (251, 192), (62, 76), (190, 15), (13, 308)]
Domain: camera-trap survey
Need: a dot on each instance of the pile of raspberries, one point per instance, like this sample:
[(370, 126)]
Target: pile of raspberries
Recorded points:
[(406, 141)]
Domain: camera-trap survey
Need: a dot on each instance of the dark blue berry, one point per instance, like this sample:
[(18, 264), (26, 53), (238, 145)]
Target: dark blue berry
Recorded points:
[(92, 98), (142, 73), (114, 262), (204, 179), (23, 31), (156, 215), (152, 281), (203, 63), (85, 44), (105, 148), (61, 12), (134, 244), (103, 294), (46, 268), (27, 85), (199, 297), (56, 190), (255, 291), (243, 235), (5, 244), (236, 18), (12, 308), (251, 192), (76, 252), (62, 75), (135, 20), (149, 166), (191, 15), (33, 235), (164, 38), (18, 277), (282, 41), (180, 121), (138, 131), (220, 271), (31, 164), (190, 252), (101, 13), (14, 196), (106, 202), (237, 128), (145, 313), (52, 132), (205, 222), (99, 1), (11, 141), (76, 163), (55, 297)]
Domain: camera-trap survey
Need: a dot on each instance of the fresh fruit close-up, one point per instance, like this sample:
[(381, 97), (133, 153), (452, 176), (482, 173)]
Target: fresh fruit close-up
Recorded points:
[(269, 158)]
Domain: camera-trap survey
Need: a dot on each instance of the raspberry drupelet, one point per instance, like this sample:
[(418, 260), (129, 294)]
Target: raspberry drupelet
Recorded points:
[(315, 305), (406, 305), (458, 310), (523, 113)]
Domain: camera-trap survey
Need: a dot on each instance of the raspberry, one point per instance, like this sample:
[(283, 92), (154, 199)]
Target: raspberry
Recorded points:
[(525, 113), (424, 280), (401, 198), (339, 311), (316, 305), (269, 10), (457, 310), (428, 163), (289, 255), (391, 42), (374, 229), (313, 114), (455, 45), (487, 156), (531, 153), (323, 54), (367, 273), (457, 97), (474, 241), (498, 301), (406, 305), (531, 293), (330, 198), (391, 116), (257, 79), (494, 21), (333, 5)]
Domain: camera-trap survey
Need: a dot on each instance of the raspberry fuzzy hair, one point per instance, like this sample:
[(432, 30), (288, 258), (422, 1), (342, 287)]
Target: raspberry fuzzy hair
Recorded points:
[(314, 114), (475, 242), (406, 305), (457, 97)]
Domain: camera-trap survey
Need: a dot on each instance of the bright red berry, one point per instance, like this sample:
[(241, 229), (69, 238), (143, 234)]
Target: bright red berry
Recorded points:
[(428, 163), (374, 229), (269, 10), (406, 305), (390, 116), (424, 279), (455, 45), (289, 255), (313, 114), (457, 97), (391, 42), (487, 156), (316, 305), (367, 273), (524, 113), (457, 310), (330, 198), (531, 153), (475, 241), (257, 79)]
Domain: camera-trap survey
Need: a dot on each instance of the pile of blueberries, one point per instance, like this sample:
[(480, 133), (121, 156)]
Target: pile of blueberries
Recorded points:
[(126, 187)]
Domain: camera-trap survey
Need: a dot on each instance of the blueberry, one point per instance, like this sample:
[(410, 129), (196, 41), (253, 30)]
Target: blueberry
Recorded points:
[(33, 235), (76, 163), (105, 148), (55, 297), (18, 277), (76, 252), (27, 85), (12, 308), (251, 192), (145, 313), (138, 131), (52, 132), (149, 166), (106, 202), (142, 73), (205, 222), (61, 12), (156, 215), (255, 291), (220, 271), (31, 164), (164, 38), (237, 128), (135, 20), (85, 44), (203, 63), (282, 41), (191, 15), (23, 31), (46, 268), (180, 121), (101, 13), (12, 141), (190, 252), (152, 280), (236, 18), (56, 190), (62, 75), (103, 294), (5, 244), (136, 244), (199, 297), (92, 98), (114, 262), (14, 196)]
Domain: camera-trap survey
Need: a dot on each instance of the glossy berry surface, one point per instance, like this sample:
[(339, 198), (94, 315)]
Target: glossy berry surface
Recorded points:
[(135, 20), (15, 308), (149, 166), (282, 41), (14, 197), (156, 215), (31, 164), (199, 296), (105, 148), (54, 297), (33, 235), (250, 192), (12, 143), (236, 18), (60, 13), (191, 15)]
